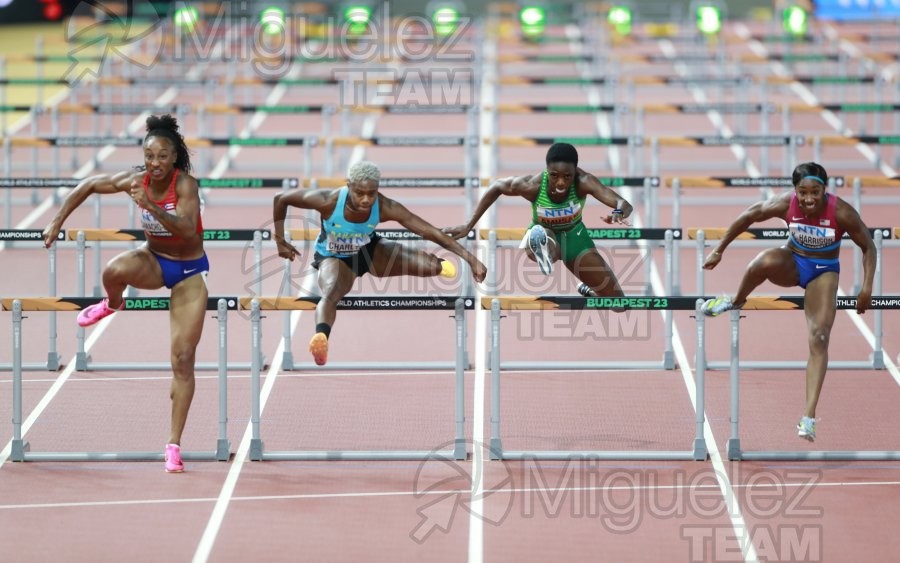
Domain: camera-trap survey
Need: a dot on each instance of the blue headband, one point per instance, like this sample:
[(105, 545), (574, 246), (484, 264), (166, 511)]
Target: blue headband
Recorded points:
[(816, 178)]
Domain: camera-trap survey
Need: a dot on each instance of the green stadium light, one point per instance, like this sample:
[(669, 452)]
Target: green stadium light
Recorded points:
[(532, 16), (796, 20), (709, 19), (445, 20), (357, 18), (186, 18), (272, 20), (620, 18), (533, 20)]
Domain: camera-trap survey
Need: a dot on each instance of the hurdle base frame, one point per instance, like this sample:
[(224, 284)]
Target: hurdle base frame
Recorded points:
[(698, 452), (256, 451), (20, 449), (54, 363), (733, 449), (21, 453)]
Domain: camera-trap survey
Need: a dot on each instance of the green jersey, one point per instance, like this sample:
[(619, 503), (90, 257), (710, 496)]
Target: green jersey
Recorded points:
[(557, 216)]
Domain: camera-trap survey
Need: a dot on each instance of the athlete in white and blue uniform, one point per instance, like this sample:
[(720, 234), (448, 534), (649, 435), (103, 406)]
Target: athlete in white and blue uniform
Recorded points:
[(817, 221), (348, 247)]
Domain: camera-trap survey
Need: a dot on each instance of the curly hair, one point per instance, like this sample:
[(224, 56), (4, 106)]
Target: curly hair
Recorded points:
[(363, 171), (167, 126)]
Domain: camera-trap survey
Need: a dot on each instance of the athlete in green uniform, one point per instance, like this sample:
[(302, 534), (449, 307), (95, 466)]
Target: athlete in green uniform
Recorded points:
[(557, 197)]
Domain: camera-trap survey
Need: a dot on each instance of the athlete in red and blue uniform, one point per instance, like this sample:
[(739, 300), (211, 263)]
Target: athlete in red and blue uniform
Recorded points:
[(169, 201), (817, 221)]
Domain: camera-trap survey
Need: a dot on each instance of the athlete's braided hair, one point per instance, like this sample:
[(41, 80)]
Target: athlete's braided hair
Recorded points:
[(562, 152), (167, 126), (812, 169)]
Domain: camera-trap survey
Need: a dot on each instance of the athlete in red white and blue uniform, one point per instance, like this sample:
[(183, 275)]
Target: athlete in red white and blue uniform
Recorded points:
[(169, 201), (817, 220)]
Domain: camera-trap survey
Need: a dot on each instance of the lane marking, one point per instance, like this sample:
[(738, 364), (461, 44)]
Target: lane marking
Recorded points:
[(435, 492)]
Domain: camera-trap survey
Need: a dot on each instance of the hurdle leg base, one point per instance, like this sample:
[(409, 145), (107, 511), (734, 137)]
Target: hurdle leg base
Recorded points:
[(81, 361), (877, 359), (256, 450), (700, 451), (223, 449), (459, 449), (496, 449), (287, 361), (54, 362), (18, 449), (734, 449), (668, 360)]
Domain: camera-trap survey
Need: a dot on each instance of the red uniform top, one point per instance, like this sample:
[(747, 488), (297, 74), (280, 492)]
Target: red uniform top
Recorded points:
[(151, 225), (821, 234)]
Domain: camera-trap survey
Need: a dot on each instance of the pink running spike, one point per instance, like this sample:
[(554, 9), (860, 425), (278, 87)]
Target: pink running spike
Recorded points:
[(93, 314)]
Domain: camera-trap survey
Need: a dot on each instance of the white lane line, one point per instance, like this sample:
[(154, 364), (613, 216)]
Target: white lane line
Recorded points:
[(382, 494), (226, 494), (486, 169), (742, 534)]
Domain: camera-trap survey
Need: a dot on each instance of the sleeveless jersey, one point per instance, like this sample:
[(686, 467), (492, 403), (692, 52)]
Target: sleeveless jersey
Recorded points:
[(557, 216), (340, 237), (822, 234), (151, 225)]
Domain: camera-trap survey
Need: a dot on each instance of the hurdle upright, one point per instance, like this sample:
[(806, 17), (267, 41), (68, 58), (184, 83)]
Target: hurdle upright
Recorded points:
[(876, 359), (735, 453), (457, 304), (21, 450), (698, 451)]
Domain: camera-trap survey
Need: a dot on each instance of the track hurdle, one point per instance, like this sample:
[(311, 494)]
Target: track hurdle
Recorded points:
[(21, 450), (210, 236), (876, 359), (83, 361), (880, 141), (735, 453), (698, 451), (628, 235), (418, 303), (789, 144), (762, 184), (308, 236), (54, 361)]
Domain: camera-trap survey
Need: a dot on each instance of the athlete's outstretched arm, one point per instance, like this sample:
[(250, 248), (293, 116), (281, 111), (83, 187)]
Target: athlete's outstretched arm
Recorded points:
[(394, 211), (512, 186), (760, 211), (590, 185), (100, 184), (302, 198)]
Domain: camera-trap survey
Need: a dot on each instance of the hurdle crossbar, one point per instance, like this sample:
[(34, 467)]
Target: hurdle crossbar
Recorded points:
[(698, 451), (734, 450), (211, 236), (628, 235), (21, 450), (876, 358), (457, 304)]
